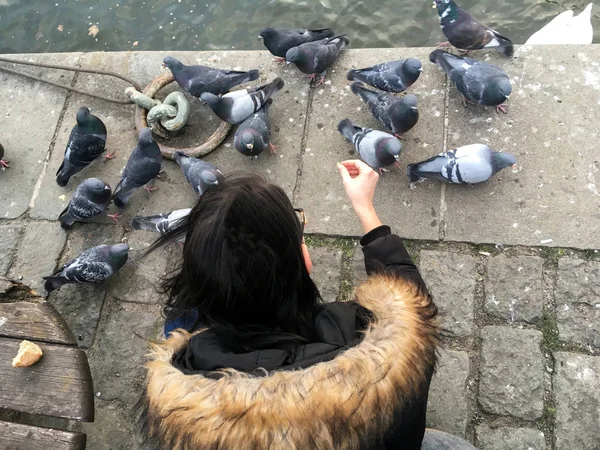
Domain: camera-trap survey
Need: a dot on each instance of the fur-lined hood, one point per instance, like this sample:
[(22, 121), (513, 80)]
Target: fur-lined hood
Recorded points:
[(347, 403)]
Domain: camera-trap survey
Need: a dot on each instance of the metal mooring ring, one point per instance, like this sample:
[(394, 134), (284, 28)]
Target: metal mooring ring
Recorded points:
[(141, 122)]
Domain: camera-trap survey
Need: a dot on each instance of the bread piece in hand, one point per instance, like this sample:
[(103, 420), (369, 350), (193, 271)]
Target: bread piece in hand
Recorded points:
[(29, 354)]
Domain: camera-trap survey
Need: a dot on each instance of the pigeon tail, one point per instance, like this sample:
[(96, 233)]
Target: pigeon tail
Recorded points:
[(145, 223), (412, 170), (323, 33), (273, 87), (505, 45), (346, 127), (244, 77), (54, 283), (122, 194), (64, 174), (361, 90), (66, 221), (447, 61), (344, 41)]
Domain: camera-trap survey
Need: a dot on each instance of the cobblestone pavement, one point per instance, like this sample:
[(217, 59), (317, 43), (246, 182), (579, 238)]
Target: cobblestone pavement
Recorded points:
[(519, 366)]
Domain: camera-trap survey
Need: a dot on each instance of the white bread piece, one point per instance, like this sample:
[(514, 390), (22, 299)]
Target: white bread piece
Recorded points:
[(29, 353)]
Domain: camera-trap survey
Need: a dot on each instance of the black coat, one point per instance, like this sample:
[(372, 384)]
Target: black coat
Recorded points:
[(362, 384)]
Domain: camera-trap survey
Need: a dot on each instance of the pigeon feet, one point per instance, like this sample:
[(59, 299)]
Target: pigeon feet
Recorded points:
[(110, 155), (443, 45), (397, 164), (466, 101), (149, 188), (502, 108), (399, 136), (115, 217), (382, 170), (272, 149), (311, 78), (159, 173), (279, 60), (4, 164)]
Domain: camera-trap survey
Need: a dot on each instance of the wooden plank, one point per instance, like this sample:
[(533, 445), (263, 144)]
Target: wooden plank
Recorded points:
[(59, 385), (14, 436), (37, 321)]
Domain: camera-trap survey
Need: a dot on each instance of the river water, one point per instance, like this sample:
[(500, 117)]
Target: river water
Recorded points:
[(64, 25)]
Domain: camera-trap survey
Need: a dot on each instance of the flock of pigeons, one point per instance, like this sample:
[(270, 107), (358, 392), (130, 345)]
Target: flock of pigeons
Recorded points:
[(312, 52)]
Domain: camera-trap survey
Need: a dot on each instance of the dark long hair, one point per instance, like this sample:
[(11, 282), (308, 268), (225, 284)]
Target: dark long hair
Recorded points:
[(243, 270)]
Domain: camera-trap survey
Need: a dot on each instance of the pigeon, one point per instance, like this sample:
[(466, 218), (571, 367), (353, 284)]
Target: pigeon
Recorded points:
[(91, 198), (279, 41), (376, 148), (142, 167), (3, 162), (397, 114), (316, 57), (200, 174), (160, 223), (477, 81), (237, 106), (566, 29), (253, 136), (391, 76), (466, 33), (86, 142), (94, 265), (198, 79), (469, 164)]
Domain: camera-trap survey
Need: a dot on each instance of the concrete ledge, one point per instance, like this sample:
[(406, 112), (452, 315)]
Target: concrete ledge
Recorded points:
[(551, 127)]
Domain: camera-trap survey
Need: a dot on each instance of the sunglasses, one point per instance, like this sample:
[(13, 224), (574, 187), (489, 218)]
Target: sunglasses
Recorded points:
[(301, 217)]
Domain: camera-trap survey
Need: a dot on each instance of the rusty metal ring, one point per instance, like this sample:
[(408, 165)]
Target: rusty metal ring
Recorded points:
[(141, 122)]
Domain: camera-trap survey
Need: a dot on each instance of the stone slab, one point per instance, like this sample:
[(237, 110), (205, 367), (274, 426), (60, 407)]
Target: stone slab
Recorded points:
[(117, 358), (112, 428), (359, 273), (509, 438), (577, 296), (513, 288), (450, 277), (38, 254), (326, 271), (577, 393), (80, 304), (449, 392), (551, 128), (9, 241), (412, 212), (511, 372), (31, 111)]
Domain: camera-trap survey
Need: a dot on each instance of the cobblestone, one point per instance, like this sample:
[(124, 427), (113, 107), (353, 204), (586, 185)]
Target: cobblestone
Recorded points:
[(508, 438), (578, 301), (450, 278), (448, 392), (9, 241), (577, 391), (513, 290), (511, 372)]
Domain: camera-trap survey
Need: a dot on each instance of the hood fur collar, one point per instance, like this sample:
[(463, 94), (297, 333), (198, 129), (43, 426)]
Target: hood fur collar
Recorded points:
[(346, 403)]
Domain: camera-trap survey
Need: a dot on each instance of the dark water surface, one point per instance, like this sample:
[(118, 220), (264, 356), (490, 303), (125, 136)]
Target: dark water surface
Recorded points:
[(62, 25)]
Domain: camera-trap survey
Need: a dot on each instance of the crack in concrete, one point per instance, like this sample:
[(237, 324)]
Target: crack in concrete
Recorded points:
[(443, 205), (296, 191)]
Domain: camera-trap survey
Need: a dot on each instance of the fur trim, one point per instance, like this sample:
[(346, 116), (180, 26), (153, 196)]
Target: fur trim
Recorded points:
[(346, 403)]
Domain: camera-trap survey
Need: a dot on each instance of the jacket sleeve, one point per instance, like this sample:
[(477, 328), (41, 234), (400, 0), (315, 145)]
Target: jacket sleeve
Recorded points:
[(385, 253)]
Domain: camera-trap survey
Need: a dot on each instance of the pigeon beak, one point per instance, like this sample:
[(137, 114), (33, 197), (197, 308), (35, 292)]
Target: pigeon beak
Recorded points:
[(288, 62), (397, 158), (249, 146), (514, 166), (260, 38), (421, 70), (507, 97), (163, 65), (433, 5)]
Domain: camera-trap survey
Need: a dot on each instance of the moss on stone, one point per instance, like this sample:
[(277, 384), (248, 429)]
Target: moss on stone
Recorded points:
[(552, 253), (549, 328), (347, 245)]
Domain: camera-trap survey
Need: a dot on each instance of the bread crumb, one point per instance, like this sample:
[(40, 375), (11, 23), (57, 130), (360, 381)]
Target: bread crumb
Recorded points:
[(29, 353)]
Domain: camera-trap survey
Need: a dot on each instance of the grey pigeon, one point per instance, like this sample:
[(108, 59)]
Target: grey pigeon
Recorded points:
[(142, 167), (279, 41), (464, 165), (397, 114), (253, 136), (199, 79), (3, 162), (160, 223), (86, 142), (376, 148), (477, 81), (314, 58), (94, 265), (391, 76), (200, 174), (464, 32), (91, 198), (236, 106)]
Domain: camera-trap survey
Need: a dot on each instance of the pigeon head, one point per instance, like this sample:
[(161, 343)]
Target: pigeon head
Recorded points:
[(88, 122), (410, 100), (118, 255), (98, 191), (293, 55), (267, 33), (209, 178), (411, 68), (83, 115), (248, 140), (146, 137), (388, 150), (497, 91), (501, 160), (443, 5), (173, 64), (210, 98)]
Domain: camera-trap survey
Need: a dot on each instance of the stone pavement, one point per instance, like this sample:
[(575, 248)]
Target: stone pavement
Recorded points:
[(520, 364)]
